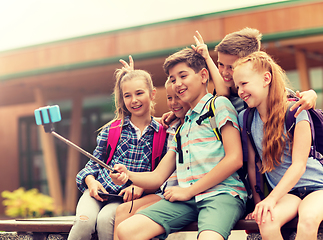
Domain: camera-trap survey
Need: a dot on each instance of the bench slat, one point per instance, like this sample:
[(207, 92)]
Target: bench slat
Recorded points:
[(64, 224)]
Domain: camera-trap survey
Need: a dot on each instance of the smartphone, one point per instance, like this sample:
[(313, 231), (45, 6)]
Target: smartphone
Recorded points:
[(107, 195)]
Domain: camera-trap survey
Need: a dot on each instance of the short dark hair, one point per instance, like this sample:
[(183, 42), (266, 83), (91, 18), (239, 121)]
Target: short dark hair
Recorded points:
[(187, 55)]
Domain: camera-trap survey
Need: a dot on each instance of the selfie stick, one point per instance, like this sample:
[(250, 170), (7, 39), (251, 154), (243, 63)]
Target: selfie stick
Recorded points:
[(46, 116)]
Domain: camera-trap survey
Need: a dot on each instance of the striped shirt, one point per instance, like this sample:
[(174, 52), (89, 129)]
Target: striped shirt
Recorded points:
[(133, 153), (202, 151)]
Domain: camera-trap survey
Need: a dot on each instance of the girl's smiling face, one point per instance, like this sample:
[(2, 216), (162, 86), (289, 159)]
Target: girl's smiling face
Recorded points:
[(252, 85), (175, 104), (137, 97)]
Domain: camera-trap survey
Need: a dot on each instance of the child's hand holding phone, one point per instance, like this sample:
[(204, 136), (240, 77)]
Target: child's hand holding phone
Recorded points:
[(106, 196)]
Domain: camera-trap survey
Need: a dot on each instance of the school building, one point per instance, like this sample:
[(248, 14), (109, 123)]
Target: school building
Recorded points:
[(77, 74)]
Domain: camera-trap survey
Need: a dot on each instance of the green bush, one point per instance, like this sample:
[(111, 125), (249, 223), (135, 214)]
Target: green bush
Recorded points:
[(31, 203)]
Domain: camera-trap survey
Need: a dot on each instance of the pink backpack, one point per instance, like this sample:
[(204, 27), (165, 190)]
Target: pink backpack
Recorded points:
[(158, 143)]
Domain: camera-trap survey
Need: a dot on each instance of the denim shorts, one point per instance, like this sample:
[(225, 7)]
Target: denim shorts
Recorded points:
[(302, 192)]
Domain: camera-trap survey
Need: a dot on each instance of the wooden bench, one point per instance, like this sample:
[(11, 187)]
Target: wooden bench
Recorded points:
[(252, 226), (42, 227)]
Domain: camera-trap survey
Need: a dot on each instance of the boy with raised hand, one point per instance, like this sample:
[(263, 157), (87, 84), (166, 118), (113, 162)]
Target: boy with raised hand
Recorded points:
[(234, 46), (209, 190)]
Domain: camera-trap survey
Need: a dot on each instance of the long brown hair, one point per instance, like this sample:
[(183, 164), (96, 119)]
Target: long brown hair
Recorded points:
[(122, 75), (274, 139)]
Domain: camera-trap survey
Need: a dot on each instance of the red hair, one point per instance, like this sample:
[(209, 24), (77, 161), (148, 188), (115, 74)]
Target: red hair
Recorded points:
[(274, 138)]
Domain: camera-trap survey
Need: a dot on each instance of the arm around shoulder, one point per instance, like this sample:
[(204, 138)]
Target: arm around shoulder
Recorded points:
[(307, 100)]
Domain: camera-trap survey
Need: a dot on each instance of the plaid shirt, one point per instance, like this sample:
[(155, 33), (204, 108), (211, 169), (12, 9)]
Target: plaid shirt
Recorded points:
[(133, 153)]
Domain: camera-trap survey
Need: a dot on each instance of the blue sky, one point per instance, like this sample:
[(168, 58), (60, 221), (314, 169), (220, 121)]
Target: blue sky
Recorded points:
[(29, 22)]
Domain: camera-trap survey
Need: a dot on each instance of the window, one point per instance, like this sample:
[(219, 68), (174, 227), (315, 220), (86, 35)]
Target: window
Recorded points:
[(32, 170)]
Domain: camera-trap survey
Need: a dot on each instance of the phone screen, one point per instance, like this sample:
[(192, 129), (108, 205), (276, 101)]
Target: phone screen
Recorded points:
[(107, 195)]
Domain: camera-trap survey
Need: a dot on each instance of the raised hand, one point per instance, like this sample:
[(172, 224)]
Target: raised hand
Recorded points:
[(128, 67), (200, 47)]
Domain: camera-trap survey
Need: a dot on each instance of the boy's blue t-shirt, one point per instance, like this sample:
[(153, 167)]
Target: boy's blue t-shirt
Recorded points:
[(313, 175)]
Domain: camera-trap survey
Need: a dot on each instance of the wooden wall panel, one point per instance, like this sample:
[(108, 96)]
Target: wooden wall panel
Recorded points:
[(9, 160), (58, 54), (162, 36), (147, 39), (275, 20)]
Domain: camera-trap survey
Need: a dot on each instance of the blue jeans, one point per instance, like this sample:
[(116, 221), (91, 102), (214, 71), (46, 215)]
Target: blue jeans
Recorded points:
[(92, 215)]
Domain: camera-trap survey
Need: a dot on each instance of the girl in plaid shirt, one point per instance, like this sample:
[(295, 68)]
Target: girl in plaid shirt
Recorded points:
[(134, 94), (179, 108)]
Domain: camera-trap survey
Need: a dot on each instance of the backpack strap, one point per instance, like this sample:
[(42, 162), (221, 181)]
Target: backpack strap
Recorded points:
[(316, 118), (113, 138), (290, 127), (290, 120), (210, 114), (158, 146), (244, 136), (246, 133), (179, 144)]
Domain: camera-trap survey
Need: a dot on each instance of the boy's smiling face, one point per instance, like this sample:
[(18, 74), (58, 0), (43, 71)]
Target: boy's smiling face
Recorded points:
[(175, 104), (225, 62), (189, 86)]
